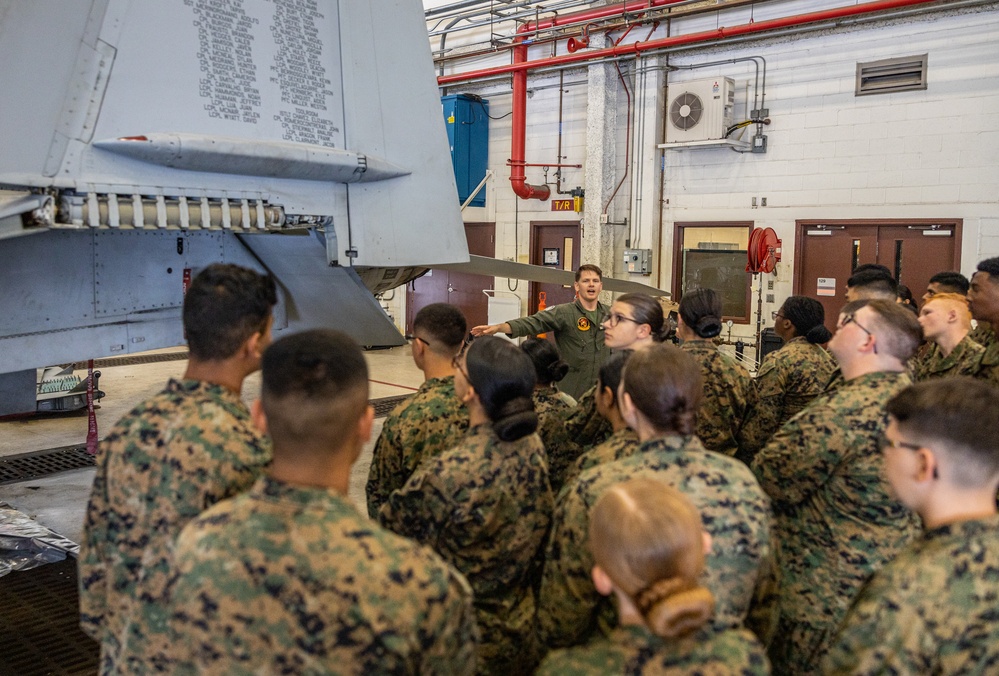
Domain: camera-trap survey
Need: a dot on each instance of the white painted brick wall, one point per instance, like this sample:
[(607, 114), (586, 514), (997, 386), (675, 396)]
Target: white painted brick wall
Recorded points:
[(831, 154)]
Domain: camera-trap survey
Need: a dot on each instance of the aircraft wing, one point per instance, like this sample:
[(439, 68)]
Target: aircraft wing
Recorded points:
[(482, 265)]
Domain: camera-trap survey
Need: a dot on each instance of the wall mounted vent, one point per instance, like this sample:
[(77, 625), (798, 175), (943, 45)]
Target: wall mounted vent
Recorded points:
[(891, 75), (699, 110)]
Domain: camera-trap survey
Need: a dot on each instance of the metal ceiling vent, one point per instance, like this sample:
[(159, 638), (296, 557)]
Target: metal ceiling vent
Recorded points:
[(686, 111), (891, 75)]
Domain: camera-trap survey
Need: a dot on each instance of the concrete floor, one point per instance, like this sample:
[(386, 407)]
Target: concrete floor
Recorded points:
[(58, 501)]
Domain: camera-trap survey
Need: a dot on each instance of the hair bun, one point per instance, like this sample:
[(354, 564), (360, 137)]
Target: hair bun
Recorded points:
[(818, 334), (675, 606), (515, 419), (558, 371), (708, 327)]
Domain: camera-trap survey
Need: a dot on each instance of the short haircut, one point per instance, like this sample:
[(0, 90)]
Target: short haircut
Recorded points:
[(897, 329), (646, 536), (952, 282), (589, 267), (442, 327), (224, 306), (548, 365), (954, 301), (807, 316), (877, 267), (503, 378), (315, 386), (874, 284), (666, 386), (904, 294), (646, 310), (701, 310), (991, 266), (960, 414), (611, 370)]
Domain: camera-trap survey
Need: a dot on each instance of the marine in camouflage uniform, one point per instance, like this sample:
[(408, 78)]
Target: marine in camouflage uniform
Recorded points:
[(964, 360), (835, 521), (485, 507), (739, 571), (989, 368), (578, 337), (292, 579), (635, 650), (424, 425), (983, 334), (621, 444), (788, 380), (560, 448), (932, 610), (584, 424), (727, 391), (164, 463)]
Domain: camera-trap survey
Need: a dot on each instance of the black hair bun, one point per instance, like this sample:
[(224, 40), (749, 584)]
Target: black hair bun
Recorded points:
[(708, 327)]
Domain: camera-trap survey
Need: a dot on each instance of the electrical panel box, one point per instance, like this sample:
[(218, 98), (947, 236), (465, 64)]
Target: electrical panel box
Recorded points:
[(467, 120), (638, 261)]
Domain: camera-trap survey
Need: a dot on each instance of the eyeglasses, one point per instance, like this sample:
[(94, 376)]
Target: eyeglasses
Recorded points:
[(850, 319), (456, 364), (615, 318), (888, 443), (775, 314), (411, 337)]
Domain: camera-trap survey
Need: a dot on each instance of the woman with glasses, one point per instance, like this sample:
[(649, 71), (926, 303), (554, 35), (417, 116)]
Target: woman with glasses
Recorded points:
[(649, 548), (486, 505), (727, 386), (635, 322), (791, 377)]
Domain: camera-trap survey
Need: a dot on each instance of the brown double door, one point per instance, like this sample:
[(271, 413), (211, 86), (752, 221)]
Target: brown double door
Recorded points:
[(553, 244), (914, 250), (460, 289)]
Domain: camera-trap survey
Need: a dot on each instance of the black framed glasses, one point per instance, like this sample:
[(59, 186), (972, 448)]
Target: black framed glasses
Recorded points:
[(851, 319), (775, 314), (456, 364), (612, 319), (411, 338)]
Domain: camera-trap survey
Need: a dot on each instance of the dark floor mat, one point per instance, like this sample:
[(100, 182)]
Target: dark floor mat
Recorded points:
[(39, 623)]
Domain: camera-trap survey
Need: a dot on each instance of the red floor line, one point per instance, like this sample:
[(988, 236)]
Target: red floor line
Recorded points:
[(381, 382)]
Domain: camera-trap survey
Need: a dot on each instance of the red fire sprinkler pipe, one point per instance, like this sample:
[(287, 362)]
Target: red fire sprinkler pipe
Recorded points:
[(636, 48), (518, 178)]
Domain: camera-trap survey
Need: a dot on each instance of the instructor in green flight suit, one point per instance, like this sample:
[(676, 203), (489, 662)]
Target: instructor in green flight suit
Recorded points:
[(576, 325)]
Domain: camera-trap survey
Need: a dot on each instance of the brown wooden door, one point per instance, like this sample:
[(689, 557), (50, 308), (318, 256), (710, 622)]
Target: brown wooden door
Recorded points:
[(456, 288), (915, 253), (553, 244), (827, 252)]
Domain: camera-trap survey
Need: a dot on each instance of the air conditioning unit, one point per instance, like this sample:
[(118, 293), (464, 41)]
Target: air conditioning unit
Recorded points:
[(700, 110)]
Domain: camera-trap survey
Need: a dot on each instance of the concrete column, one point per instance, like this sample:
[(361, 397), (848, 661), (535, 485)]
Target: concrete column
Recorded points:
[(598, 245)]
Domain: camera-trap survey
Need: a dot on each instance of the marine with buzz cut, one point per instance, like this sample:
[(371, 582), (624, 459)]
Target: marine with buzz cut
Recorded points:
[(174, 455), (932, 610), (290, 577), (836, 520), (433, 419)]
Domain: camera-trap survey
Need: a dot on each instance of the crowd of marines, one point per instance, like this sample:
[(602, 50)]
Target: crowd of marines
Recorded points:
[(835, 514)]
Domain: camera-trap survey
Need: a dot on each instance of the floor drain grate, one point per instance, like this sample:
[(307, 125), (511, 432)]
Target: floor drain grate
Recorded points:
[(386, 405), (29, 466), (39, 625)]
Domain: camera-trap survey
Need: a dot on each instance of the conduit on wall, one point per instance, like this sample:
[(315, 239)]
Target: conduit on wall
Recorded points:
[(521, 65)]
